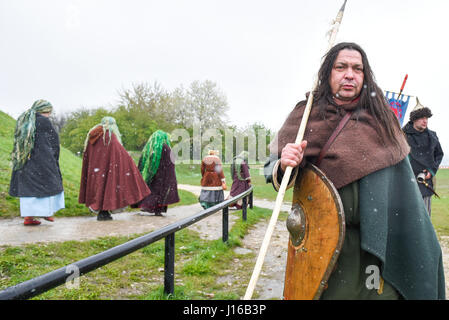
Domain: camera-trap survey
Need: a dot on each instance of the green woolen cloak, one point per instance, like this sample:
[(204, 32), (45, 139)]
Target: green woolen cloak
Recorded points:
[(387, 225), (396, 228)]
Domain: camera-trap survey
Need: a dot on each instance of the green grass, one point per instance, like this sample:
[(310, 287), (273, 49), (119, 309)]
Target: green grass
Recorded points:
[(265, 190), (186, 198), (440, 207), (191, 174), (199, 263), (7, 203)]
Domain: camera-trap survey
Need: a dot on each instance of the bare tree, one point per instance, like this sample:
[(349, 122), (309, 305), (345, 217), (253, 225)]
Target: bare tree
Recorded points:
[(207, 105)]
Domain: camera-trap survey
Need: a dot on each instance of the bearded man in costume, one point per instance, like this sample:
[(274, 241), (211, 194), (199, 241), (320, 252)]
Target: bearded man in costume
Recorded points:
[(387, 226), (241, 178), (425, 151), (36, 178), (157, 167), (110, 180)]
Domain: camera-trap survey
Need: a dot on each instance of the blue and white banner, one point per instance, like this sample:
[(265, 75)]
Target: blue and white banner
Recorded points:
[(398, 106)]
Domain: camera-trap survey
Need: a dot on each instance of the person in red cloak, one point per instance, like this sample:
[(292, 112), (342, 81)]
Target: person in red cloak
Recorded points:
[(110, 179)]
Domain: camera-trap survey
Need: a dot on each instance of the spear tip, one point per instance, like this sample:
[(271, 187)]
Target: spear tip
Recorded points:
[(343, 6)]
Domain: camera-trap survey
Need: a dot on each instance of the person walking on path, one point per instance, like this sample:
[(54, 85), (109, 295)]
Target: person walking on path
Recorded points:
[(241, 179), (425, 151), (213, 180), (110, 180), (36, 177), (157, 166)]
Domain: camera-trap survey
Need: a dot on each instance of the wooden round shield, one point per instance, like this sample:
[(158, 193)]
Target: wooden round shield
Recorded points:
[(317, 228)]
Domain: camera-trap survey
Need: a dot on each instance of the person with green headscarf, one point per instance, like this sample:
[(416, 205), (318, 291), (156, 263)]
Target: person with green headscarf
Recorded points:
[(36, 177), (241, 179), (157, 166), (110, 180)]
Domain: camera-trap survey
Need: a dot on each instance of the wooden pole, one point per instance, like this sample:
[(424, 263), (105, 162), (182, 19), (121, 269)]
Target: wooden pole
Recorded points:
[(288, 171), (402, 87)]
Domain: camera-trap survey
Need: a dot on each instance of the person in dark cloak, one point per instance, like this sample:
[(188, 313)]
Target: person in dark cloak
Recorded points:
[(241, 179), (425, 151), (110, 180), (157, 166), (36, 177)]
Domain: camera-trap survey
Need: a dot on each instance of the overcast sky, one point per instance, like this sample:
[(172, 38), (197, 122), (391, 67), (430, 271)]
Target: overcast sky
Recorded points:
[(263, 55)]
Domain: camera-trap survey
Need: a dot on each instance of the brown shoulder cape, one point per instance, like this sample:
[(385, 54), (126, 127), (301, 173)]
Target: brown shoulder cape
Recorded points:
[(110, 179), (356, 152)]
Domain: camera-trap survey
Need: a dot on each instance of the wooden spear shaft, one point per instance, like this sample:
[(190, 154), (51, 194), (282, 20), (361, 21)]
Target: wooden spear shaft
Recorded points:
[(288, 172)]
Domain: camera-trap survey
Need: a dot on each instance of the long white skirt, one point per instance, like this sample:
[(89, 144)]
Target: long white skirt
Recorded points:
[(41, 207)]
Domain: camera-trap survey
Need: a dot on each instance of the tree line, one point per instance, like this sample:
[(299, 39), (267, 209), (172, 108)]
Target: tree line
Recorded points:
[(145, 108)]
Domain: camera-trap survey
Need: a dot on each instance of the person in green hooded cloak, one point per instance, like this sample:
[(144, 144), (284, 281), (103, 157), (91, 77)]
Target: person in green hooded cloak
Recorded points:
[(157, 166)]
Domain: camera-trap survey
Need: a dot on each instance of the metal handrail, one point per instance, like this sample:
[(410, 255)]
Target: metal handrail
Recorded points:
[(50, 280)]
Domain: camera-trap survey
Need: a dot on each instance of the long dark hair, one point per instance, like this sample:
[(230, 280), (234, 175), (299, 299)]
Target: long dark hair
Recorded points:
[(372, 98)]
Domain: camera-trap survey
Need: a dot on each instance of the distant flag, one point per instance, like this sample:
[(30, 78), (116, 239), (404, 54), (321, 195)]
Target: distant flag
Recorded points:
[(398, 104)]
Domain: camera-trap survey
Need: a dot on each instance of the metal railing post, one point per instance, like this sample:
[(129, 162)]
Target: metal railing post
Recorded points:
[(225, 236), (169, 267), (251, 200), (244, 207)]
